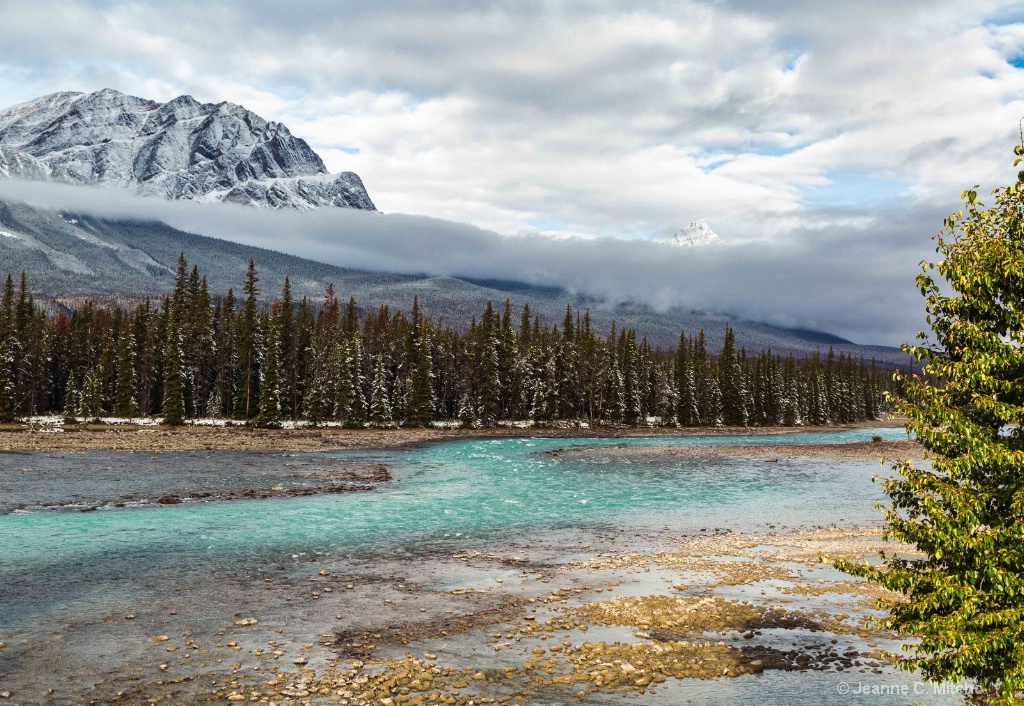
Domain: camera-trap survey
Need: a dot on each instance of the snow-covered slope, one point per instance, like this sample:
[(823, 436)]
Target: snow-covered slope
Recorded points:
[(697, 233), (182, 149)]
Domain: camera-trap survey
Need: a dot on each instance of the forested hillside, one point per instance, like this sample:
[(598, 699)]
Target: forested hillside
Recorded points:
[(192, 354)]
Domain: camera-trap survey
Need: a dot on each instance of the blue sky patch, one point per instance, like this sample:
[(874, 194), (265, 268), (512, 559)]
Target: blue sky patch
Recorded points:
[(1006, 16), (850, 189), (548, 224)]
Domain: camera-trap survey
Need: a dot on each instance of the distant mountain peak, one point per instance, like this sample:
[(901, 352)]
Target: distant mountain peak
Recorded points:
[(179, 150), (695, 234)]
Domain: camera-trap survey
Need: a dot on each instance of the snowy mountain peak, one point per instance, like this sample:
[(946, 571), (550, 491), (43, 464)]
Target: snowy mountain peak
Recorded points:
[(697, 233), (182, 149)]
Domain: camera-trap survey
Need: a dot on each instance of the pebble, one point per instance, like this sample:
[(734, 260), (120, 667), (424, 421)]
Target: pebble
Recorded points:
[(161, 638), (246, 621), (300, 660)]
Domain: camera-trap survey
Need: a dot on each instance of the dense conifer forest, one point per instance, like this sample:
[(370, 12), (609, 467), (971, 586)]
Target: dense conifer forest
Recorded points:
[(193, 355)]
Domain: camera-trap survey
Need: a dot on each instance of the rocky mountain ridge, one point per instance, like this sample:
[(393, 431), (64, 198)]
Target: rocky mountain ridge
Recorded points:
[(179, 150)]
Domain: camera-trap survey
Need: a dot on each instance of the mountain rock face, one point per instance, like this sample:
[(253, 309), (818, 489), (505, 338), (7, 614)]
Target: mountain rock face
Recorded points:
[(182, 149), (697, 233)]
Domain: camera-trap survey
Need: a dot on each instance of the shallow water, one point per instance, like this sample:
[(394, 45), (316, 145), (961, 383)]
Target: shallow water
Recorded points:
[(443, 495), (67, 568)]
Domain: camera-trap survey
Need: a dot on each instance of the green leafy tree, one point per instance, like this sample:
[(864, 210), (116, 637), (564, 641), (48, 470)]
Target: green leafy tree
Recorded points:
[(965, 511)]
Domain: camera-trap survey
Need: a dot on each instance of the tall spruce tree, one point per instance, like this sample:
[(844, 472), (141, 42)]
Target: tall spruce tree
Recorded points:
[(269, 413), (125, 403), (421, 386), (289, 362), (730, 376), (489, 367), (173, 400), (249, 349), (380, 396), (6, 378)]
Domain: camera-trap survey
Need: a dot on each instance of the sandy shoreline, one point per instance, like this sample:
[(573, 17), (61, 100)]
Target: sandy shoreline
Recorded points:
[(85, 437)]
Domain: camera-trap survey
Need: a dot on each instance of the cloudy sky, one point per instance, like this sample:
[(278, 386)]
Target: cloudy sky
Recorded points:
[(842, 128)]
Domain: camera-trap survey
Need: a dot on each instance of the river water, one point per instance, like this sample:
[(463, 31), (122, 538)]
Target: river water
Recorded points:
[(83, 542)]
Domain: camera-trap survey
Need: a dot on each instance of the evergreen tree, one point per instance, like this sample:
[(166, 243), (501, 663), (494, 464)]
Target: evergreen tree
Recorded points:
[(421, 388), (269, 414), (249, 348), (380, 398), (631, 392), (288, 352), (467, 411), (71, 399), (791, 399), (91, 398), (125, 403), (173, 402), (615, 392), (734, 408), (686, 397), (226, 358), (6, 378), (490, 381)]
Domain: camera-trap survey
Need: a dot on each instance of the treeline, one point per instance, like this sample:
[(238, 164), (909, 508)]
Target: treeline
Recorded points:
[(191, 355)]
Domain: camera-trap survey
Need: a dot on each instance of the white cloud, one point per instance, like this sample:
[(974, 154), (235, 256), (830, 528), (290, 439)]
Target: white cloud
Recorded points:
[(602, 115), (600, 119), (850, 280)]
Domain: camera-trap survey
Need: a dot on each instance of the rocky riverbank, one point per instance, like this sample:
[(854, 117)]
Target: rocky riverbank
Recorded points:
[(155, 438), (641, 622), (648, 619)]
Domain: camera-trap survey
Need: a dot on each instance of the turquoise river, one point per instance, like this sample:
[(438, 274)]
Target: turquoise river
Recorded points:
[(85, 542)]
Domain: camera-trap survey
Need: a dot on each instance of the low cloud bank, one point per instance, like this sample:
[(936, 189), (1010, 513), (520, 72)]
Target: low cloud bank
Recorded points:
[(856, 281)]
